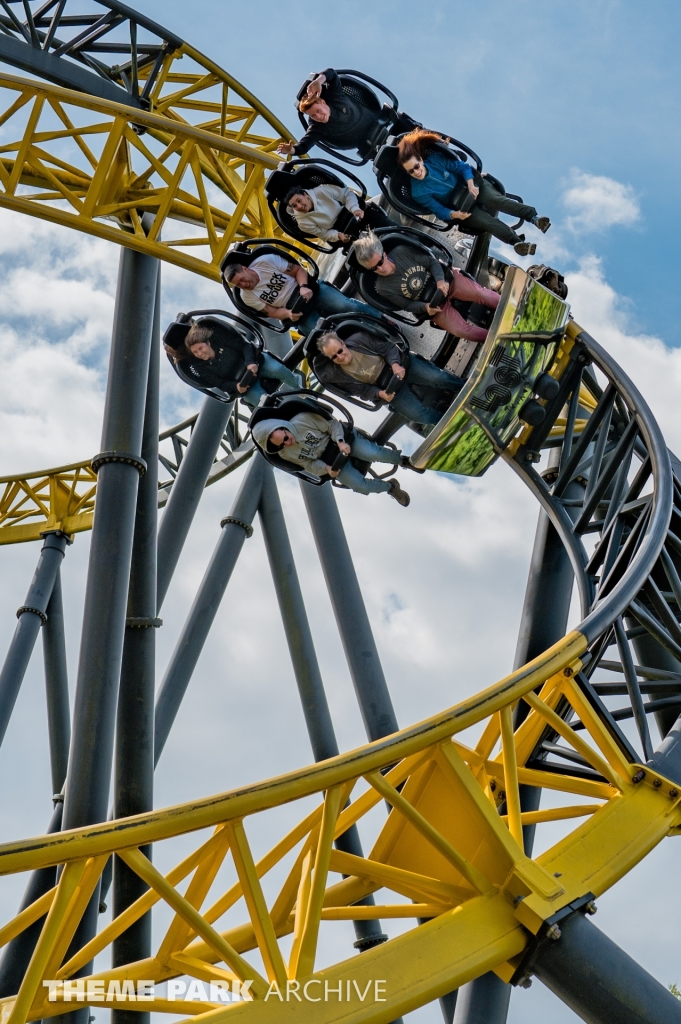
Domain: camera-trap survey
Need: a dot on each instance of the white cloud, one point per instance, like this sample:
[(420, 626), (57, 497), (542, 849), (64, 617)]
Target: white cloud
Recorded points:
[(595, 202)]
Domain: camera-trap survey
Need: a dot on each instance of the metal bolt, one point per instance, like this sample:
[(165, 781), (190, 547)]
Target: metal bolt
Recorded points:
[(553, 932), (673, 793), (639, 776), (567, 671), (525, 982), (591, 907), (657, 783), (557, 874)]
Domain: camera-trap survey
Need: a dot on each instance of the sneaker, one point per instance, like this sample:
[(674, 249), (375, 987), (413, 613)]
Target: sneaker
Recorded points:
[(406, 464), (396, 492), (543, 223), (525, 248)]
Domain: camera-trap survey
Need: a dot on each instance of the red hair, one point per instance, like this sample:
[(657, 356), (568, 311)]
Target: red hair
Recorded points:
[(308, 102), (417, 143)]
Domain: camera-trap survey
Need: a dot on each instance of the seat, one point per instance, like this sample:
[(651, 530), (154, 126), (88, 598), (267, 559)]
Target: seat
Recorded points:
[(245, 252), (364, 280), (308, 174), (286, 405), (176, 333), (358, 87), (344, 325)]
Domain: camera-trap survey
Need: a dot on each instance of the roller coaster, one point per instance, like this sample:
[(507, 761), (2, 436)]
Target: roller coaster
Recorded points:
[(128, 152)]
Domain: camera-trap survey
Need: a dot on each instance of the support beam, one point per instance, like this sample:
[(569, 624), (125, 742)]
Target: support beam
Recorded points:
[(57, 687), (235, 528), (119, 467), (134, 751), (187, 489), (306, 667), (599, 981), (31, 615), (350, 612)]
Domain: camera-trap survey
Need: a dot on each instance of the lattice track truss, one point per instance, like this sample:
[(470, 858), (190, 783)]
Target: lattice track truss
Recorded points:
[(63, 498), (451, 850), (98, 166)]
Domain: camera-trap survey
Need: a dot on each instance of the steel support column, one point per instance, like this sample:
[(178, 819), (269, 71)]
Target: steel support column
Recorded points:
[(31, 615), (543, 622), (599, 981), (306, 667), (57, 687), (350, 612), (235, 528), (187, 489), (101, 650), (134, 750)]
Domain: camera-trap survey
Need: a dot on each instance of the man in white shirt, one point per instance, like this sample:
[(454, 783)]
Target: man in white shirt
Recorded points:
[(320, 212), (268, 284)]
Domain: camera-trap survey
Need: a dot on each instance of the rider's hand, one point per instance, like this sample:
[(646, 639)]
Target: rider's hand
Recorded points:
[(315, 86), (343, 238), (398, 370), (344, 447), (458, 215), (253, 367), (443, 287), (285, 148), (473, 188), (359, 214), (386, 396), (432, 310), (332, 473), (305, 292), (286, 314)]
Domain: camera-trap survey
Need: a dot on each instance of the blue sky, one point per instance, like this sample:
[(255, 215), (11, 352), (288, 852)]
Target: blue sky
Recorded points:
[(536, 89)]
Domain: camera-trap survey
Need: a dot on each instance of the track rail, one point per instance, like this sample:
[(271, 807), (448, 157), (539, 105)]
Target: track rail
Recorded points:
[(451, 851)]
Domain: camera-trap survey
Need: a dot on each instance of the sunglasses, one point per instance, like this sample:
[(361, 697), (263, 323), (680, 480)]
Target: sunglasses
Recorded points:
[(380, 262), (417, 167), (338, 352)]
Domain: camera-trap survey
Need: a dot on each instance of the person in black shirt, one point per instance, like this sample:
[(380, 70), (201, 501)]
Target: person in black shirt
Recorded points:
[(220, 358), (403, 275), (335, 118), (363, 366)]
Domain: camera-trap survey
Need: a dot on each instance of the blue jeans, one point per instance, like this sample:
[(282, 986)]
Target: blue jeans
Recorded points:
[(272, 368), (327, 301), (421, 371), (368, 451)]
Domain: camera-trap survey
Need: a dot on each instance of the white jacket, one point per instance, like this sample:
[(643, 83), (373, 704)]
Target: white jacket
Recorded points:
[(328, 201)]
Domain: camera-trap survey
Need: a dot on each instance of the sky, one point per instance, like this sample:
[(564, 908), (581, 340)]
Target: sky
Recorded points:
[(574, 105)]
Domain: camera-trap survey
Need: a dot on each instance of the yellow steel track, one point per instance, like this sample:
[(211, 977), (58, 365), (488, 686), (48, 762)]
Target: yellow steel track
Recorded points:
[(444, 847)]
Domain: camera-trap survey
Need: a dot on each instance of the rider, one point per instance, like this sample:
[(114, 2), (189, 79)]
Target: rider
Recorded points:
[(304, 438), (316, 211), (363, 365), (402, 277), (434, 176), (220, 358), (335, 118), (269, 281)]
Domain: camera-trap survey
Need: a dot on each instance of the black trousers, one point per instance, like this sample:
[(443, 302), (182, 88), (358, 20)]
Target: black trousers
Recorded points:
[(482, 220)]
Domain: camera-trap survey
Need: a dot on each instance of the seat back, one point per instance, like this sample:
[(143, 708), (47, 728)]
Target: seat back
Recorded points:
[(306, 174), (246, 252), (345, 325), (365, 280), (284, 407)]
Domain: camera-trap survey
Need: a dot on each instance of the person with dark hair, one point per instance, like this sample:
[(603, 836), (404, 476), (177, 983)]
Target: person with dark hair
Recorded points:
[(403, 275), (363, 365), (335, 118), (305, 440), (323, 210), (221, 357), (435, 174), (267, 284)]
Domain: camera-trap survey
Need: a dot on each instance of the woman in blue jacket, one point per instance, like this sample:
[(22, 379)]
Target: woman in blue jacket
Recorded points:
[(435, 174)]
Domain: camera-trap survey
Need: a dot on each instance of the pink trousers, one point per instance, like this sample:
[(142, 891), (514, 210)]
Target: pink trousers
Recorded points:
[(468, 291)]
